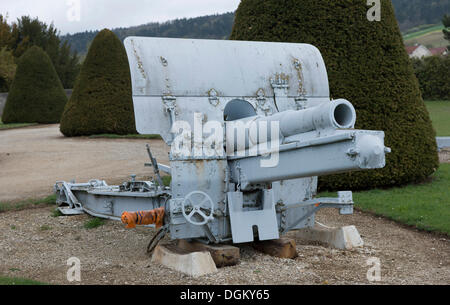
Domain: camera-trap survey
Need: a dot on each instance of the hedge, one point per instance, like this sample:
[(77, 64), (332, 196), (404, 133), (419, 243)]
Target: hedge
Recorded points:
[(433, 74), (368, 65), (101, 102), (36, 94)]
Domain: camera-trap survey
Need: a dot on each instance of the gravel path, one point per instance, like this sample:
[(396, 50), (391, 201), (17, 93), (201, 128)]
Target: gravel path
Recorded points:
[(35, 245), (32, 159)]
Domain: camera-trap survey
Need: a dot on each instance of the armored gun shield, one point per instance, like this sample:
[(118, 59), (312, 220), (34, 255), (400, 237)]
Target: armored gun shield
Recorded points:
[(180, 77)]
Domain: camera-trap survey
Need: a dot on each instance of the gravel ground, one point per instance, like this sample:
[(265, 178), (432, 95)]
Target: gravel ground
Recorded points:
[(37, 246)]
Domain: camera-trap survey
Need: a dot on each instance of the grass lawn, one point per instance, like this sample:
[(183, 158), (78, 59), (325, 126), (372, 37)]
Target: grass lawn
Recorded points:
[(17, 206), (430, 36), (131, 136), (423, 31), (440, 115), (424, 206), (11, 126), (94, 222), (18, 281)]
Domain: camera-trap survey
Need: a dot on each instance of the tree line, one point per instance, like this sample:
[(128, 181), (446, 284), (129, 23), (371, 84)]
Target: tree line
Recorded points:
[(409, 13), (206, 27), (433, 73), (17, 37), (412, 13)]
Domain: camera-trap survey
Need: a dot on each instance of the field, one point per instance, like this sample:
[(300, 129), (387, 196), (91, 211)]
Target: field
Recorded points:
[(429, 36), (440, 115)]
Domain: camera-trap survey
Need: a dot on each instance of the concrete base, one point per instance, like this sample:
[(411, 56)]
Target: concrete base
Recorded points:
[(345, 238), (223, 255), (194, 264), (282, 248)]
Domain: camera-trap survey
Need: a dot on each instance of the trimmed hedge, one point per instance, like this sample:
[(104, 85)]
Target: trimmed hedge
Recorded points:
[(368, 65), (7, 69), (433, 74), (101, 101), (36, 94)]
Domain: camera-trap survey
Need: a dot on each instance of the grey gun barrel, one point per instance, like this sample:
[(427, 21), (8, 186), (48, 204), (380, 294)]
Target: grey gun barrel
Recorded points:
[(337, 114), (333, 115), (344, 151), (334, 148)]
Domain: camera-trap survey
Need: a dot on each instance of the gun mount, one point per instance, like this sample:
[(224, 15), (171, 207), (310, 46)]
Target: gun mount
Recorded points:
[(250, 125)]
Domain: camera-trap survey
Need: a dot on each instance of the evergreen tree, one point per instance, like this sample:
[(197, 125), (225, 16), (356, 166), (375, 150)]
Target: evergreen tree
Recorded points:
[(446, 30), (102, 98), (433, 73), (27, 32), (368, 65), (7, 69), (36, 94)]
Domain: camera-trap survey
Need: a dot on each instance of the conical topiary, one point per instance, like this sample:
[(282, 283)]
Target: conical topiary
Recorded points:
[(101, 101), (36, 94), (368, 65)]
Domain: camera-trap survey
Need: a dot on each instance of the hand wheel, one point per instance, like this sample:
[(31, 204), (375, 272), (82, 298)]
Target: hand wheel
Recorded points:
[(197, 200)]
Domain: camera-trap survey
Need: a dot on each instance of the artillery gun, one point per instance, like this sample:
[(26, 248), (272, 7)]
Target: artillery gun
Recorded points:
[(250, 125)]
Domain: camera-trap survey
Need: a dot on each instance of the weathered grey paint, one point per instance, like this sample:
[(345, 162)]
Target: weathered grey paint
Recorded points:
[(210, 73)]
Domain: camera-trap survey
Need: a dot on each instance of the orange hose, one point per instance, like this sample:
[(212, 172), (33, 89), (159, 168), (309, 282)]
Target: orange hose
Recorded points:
[(144, 218)]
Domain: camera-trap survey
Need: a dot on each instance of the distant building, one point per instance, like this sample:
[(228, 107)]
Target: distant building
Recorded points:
[(418, 51), (439, 51)]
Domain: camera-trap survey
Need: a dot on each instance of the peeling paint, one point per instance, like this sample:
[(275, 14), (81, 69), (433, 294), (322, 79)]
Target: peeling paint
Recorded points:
[(164, 61), (298, 66), (139, 61)]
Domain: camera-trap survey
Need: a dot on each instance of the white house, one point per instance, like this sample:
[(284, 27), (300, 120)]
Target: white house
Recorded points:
[(418, 51)]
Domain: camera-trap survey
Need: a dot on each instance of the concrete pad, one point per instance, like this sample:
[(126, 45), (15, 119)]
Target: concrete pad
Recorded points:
[(223, 255), (194, 264), (345, 238), (282, 248)]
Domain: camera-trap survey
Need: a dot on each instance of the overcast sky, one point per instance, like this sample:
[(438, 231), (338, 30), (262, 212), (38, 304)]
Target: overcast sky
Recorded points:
[(71, 16)]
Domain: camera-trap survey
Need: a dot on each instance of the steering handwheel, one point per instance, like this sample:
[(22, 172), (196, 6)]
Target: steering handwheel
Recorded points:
[(197, 206)]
